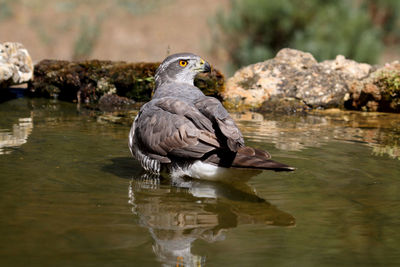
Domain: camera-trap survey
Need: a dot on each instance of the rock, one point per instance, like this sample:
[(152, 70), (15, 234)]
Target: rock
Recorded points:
[(349, 68), (380, 91), (15, 64), (283, 105), (293, 74), (112, 102), (87, 81), (124, 117), (211, 84)]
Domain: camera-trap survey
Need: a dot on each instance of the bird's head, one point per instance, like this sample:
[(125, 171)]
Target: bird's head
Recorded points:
[(181, 68)]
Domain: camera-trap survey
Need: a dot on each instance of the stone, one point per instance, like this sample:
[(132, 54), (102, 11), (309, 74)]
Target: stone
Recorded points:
[(348, 67), (114, 102), (380, 91), (294, 74), (16, 65), (283, 105)]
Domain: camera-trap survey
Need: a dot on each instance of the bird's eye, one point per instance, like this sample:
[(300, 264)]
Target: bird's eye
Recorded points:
[(183, 63)]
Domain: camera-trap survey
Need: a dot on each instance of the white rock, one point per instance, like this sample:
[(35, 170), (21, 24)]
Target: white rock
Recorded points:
[(15, 64)]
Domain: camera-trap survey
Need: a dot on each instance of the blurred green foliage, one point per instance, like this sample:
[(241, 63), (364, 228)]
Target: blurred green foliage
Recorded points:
[(386, 15), (6, 10), (253, 30), (389, 81), (89, 32), (139, 7), (85, 18)]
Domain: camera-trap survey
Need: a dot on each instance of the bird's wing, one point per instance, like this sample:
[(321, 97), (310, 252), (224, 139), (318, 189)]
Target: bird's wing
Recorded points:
[(169, 127), (214, 111)]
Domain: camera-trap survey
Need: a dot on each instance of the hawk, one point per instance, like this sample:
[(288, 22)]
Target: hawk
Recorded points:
[(185, 133)]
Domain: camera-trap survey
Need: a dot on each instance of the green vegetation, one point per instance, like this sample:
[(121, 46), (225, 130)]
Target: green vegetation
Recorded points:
[(252, 30), (139, 7), (5, 10), (385, 14), (389, 81), (41, 32)]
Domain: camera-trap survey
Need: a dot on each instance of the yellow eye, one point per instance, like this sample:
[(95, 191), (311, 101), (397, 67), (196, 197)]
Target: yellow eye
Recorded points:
[(182, 63)]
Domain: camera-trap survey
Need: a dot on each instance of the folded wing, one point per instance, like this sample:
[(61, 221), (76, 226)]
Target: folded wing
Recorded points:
[(169, 127), (216, 113)]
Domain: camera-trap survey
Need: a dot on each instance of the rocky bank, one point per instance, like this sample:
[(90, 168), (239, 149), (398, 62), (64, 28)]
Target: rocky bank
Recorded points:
[(89, 81), (294, 81)]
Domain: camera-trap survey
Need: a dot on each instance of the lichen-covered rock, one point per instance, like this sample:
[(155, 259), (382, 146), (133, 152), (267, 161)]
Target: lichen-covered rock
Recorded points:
[(113, 102), (87, 81), (15, 64), (293, 74), (212, 84), (123, 117), (347, 67), (378, 92), (283, 105)]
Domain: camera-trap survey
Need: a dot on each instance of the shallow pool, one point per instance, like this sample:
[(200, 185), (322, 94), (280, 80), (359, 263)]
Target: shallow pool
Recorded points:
[(71, 195)]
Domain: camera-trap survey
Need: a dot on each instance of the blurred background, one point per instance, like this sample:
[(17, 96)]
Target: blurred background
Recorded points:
[(228, 33)]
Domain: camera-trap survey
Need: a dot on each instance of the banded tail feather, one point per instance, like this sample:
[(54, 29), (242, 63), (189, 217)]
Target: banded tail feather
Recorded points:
[(247, 157)]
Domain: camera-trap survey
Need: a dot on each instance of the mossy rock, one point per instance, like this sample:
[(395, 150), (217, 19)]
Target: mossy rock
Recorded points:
[(284, 105), (379, 92), (87, 81), (389, 81)]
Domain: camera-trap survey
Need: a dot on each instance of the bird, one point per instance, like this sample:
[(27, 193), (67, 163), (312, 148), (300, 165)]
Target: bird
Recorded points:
[(185, 133)]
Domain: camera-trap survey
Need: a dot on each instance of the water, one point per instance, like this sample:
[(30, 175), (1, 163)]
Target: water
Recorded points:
[(70, 195)]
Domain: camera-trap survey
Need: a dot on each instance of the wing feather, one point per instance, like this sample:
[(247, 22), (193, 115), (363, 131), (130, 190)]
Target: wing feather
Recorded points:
[(214, 111), (169, 127)]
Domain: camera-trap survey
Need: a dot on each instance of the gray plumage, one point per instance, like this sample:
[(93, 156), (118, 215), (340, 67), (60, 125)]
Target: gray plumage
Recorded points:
[(180, 125)]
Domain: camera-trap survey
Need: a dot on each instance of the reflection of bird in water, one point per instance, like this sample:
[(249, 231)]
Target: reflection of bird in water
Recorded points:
[(179, 214), (187, 132)]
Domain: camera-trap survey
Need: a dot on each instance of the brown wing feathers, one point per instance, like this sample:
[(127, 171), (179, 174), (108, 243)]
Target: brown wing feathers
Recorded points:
[(250, 151), (171, 127), (215, 112), (248, 157)]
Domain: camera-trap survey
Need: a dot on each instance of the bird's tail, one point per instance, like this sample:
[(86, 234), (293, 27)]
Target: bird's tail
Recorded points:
[(248, 157)]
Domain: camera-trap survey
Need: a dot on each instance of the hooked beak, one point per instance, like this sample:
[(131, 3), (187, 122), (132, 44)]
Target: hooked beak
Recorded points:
[(205, 66)]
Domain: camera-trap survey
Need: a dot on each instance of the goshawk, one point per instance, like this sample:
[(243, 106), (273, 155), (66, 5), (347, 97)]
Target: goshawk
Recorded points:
[(185, 133)]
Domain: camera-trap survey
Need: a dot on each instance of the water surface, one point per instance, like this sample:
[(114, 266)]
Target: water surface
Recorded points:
[(70, 194)]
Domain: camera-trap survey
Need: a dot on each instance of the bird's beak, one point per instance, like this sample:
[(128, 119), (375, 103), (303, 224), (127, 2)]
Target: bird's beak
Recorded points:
[(205, 66)]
